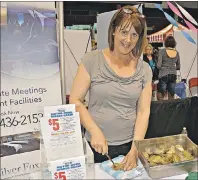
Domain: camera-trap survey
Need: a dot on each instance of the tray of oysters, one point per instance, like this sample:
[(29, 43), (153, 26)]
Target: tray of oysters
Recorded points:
[(168, 156), (167, 150), (165, 155)]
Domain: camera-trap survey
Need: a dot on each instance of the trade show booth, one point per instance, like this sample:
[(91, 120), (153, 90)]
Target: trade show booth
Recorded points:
[(41, 134)]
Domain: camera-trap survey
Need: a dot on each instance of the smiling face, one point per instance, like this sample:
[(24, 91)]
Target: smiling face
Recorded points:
[(127, 31), (125, 39), (149, 50)]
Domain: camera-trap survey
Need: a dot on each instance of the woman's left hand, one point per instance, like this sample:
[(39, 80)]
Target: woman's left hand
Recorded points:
[(130, 160)]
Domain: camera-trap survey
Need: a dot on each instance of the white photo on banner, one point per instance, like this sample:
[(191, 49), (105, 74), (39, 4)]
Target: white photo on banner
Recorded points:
[(76, 44), (30, 80)]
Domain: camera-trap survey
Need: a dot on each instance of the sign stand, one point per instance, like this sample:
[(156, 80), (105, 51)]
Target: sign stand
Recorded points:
[(64, 153)]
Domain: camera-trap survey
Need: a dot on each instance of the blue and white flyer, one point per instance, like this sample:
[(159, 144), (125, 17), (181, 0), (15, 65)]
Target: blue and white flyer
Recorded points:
[(71, 168), (61, 132)]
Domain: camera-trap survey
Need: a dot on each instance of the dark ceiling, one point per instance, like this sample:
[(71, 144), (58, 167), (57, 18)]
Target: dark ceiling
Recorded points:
[(78, 12)]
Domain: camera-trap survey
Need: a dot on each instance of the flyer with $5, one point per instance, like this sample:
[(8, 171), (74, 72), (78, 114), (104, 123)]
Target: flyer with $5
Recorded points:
[(61, 133)]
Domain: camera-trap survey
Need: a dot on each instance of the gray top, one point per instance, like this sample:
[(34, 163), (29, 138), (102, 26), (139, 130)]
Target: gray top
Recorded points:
[(113, 99), (167, 65)]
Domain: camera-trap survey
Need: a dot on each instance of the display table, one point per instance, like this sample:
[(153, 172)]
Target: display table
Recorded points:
[(100, 174)]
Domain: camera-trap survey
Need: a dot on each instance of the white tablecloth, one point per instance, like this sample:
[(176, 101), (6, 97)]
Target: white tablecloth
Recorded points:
[(100, 174)]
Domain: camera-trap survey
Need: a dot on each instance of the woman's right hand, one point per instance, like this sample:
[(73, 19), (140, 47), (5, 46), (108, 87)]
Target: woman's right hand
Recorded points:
[(98, 141)]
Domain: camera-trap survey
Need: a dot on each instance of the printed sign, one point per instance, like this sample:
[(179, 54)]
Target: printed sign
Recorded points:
[(61, 132), (30, 80), (73, 168)]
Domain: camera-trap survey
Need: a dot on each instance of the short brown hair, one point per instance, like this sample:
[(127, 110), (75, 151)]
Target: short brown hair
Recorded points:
[(137, 20), (170, 42)]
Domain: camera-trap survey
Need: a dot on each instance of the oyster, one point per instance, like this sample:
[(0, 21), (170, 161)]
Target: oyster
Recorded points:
[(149, 151), (152, 164), (168, 158), (179, 147), (164, 147), (176, 158), (187, 156), (158, 151), (156, 159), (118, 166), (171, 150), (154, 150), (145, 154)]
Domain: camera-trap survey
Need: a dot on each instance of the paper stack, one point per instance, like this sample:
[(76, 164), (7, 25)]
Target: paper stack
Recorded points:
[(63, 145)]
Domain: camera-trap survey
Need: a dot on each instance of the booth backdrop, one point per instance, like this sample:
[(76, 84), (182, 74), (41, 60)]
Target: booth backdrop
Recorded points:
[(170, 116)]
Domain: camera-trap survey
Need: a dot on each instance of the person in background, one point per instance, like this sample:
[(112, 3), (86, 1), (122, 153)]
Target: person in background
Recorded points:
[(119, 85), (155, 53), (95, 46), (151, 60), (168, 64)]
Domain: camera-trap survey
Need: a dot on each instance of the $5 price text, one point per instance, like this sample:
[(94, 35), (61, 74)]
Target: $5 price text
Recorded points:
[(54, 123), (60, 175)]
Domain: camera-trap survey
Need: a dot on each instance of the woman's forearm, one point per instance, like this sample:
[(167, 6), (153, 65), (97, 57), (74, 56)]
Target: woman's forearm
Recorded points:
[(141, 125), (85, 117)]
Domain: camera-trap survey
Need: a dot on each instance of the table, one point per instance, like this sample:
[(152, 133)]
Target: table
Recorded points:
[(100, 174)]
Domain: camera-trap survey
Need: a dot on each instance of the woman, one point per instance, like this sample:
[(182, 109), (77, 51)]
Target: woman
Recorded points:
[(151, 60), (168, 64), (119, 85)]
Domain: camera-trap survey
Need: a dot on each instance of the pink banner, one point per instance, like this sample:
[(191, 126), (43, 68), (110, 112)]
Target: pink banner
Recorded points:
[(174, 9), (191, 27), (187, 15)]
